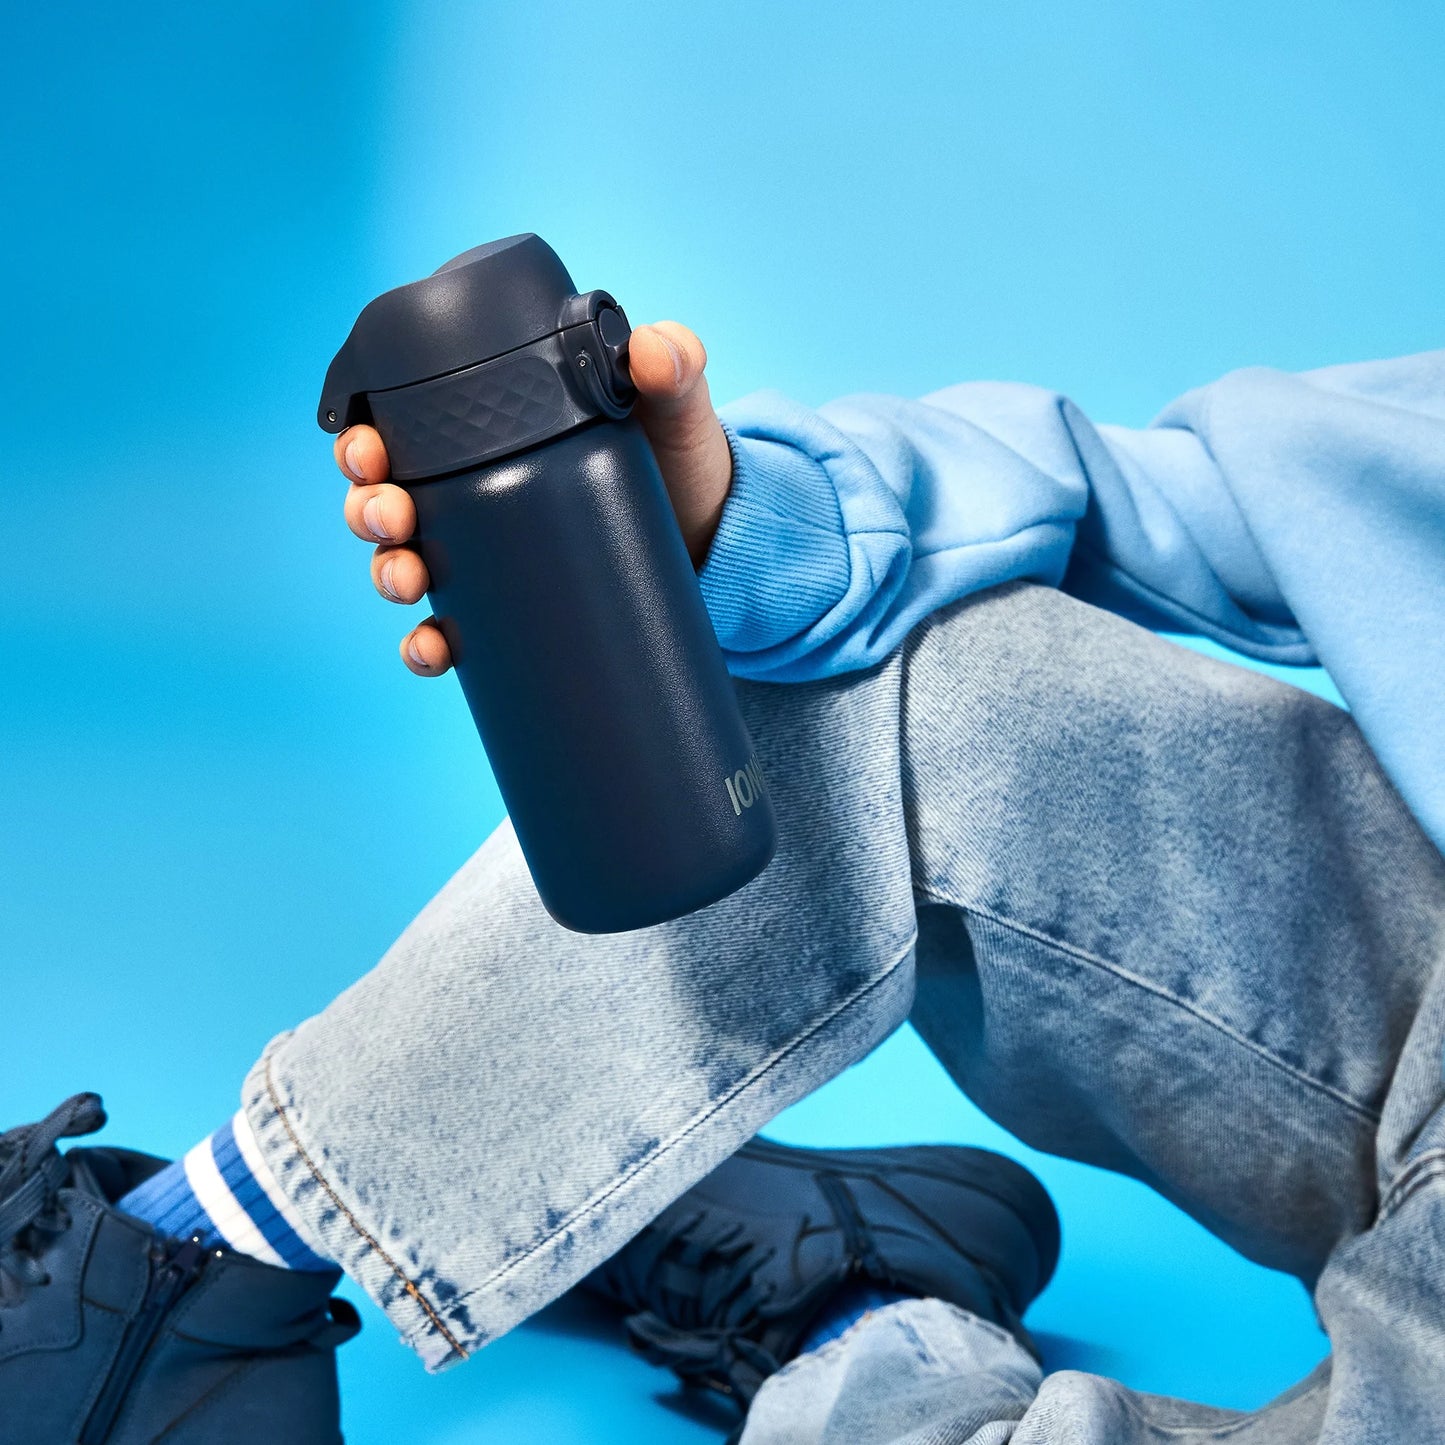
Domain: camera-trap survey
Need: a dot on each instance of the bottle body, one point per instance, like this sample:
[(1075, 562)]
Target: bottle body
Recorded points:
[(566, 594)]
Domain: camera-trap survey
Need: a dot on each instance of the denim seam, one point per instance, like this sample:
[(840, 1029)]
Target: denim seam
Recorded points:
[(407, 1283), (1430, 1165), (1366, 1113), (591, 1205), (1193, 1432)]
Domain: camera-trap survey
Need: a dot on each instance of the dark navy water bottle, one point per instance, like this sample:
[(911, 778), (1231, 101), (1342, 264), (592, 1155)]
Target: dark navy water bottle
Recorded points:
[(562, 584)]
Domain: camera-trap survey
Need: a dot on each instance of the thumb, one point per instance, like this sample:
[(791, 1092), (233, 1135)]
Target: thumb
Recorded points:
[(666, 362)]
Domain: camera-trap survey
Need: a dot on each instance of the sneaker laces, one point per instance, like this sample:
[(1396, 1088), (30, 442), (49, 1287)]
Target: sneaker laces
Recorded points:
[(730, 1332), (713, 1341), (722, 1345), (32, 1173)]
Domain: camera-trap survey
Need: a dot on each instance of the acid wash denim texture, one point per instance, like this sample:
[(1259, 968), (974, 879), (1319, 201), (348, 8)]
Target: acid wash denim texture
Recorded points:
[(1151, 911)]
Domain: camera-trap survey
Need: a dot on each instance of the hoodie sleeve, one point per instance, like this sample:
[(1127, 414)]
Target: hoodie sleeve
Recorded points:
[(847, 525), (1293, 518)]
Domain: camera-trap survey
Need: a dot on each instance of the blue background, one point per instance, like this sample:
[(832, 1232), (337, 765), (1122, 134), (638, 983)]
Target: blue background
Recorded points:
[(222, 796)]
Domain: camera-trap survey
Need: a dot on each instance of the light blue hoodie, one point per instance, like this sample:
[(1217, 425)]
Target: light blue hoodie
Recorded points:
[(1295, 518)]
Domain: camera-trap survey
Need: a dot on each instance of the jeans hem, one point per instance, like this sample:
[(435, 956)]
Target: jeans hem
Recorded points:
[(443, 1335)]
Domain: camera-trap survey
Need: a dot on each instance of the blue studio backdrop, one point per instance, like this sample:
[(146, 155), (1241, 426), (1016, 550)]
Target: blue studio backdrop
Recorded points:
[(222, 795)]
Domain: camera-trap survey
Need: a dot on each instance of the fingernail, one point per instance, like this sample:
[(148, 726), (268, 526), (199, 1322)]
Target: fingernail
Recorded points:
[(386, 584), (352, 464), (371, 516), (413, 652)]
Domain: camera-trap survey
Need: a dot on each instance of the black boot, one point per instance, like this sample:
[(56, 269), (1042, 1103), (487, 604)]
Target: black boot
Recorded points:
[(724, 1284), (111, 1334)]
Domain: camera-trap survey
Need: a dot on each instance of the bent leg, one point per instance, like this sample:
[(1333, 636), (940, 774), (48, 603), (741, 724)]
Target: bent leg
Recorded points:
[(1172, 920), (501, 1104)]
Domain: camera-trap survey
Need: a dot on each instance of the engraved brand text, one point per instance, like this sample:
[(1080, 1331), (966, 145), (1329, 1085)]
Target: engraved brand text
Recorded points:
[(746, 785)]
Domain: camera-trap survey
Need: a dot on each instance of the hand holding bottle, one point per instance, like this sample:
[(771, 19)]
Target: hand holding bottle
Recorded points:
[(674, 406), (553, 482)]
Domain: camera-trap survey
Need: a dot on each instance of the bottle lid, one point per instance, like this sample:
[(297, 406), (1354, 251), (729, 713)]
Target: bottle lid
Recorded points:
[(492, 352)]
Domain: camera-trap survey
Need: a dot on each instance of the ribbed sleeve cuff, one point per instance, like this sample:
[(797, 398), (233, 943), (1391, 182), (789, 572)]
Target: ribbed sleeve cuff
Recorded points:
[(779, 560)]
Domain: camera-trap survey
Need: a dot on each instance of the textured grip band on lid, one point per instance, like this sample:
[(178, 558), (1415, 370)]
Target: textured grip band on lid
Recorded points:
[(462, 419)]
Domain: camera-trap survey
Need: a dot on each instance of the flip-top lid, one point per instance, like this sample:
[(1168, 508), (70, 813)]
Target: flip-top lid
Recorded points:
[(481, 304)]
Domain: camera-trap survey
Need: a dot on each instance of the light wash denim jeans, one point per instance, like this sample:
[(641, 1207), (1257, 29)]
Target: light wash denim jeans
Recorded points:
[(1150, 911)]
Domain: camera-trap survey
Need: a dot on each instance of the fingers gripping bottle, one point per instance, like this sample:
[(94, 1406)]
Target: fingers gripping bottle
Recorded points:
[(562, 584)]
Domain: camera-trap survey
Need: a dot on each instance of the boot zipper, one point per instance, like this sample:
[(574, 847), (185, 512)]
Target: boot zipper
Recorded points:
[(172, 1275)]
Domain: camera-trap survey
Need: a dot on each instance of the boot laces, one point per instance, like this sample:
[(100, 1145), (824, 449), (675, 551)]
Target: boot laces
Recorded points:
[(717, 1326), (724, 1350), (711, 1340), (32, 1173)]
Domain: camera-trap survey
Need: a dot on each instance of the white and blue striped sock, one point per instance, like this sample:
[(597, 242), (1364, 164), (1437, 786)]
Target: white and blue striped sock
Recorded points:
[(224, 1191)]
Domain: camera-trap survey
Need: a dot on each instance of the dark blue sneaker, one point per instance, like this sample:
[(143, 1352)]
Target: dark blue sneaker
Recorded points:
[(723, 1286), (113, 1335)]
